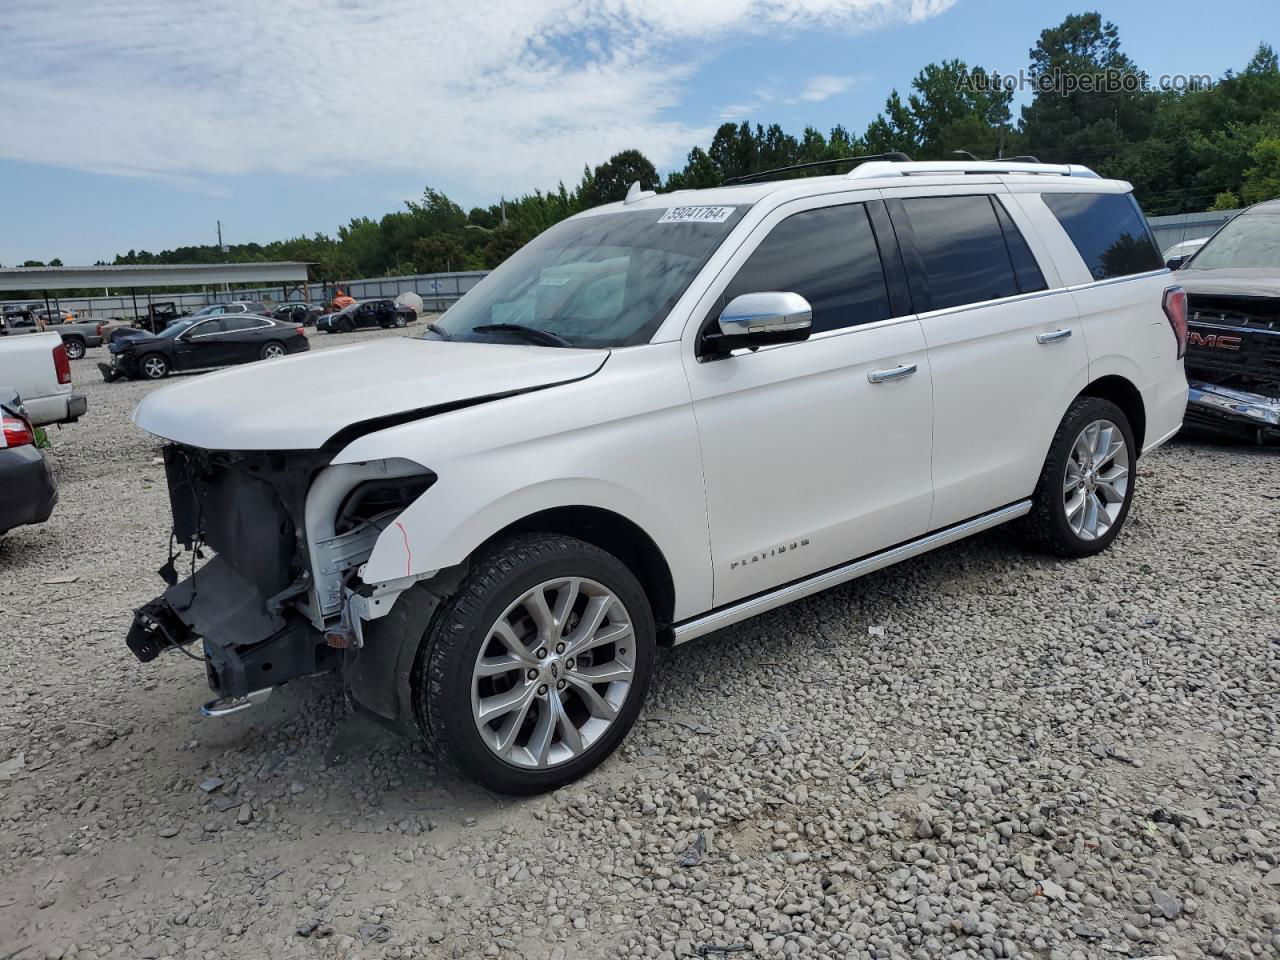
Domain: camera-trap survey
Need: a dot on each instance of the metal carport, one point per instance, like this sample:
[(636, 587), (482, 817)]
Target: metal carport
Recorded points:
[(133, 276)]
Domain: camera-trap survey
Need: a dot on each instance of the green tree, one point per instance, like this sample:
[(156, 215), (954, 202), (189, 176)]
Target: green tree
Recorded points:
[(1262, 180), (1090, 100), (614, 177)]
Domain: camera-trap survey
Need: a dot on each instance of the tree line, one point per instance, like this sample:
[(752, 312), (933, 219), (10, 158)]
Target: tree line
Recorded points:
[(1201, 145)]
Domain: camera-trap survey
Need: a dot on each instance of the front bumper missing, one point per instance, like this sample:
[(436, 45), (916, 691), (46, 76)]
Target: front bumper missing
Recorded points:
[(246, 648), (1212, 405)]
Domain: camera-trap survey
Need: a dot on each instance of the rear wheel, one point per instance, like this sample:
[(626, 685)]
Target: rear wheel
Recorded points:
[(536, 668), (273, 350), (75, 348), (400, 321), (1086, 485), (154, 367)]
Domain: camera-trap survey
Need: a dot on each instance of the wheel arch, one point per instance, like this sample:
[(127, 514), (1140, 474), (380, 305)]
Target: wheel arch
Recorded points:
[(614, 534), (1122, 392)]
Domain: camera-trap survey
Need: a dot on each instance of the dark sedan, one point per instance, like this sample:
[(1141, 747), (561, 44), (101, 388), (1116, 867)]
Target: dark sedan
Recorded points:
[(364, 314), (27, 489), (198, 344), (303, 313)]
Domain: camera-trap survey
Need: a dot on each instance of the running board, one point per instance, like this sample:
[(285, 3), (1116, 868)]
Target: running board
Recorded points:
[(744, 609)]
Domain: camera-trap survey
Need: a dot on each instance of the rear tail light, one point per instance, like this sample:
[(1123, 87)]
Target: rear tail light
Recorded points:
[(62, 364), (17, 432), (1175, 308), (300, 330), (99, 329)]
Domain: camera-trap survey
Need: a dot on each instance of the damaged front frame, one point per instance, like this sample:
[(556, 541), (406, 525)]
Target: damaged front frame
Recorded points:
[(283, 593)]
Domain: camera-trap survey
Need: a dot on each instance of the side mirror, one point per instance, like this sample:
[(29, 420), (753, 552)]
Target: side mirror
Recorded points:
[(761, 319), (1173, 263)]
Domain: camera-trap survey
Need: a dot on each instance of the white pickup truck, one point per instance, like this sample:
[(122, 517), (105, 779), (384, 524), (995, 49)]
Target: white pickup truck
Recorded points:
[(37, 367)]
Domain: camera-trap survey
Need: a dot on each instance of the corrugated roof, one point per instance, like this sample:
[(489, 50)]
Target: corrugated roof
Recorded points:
[(149, 275)]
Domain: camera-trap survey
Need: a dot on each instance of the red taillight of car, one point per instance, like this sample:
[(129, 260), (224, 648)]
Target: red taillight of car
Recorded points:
[(300, 330), (98, 329), (62, 364), (17, 432), (1175, 308)]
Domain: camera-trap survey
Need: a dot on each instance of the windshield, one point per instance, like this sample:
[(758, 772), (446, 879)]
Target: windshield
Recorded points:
[(175, 328), (1250, 240), (602, 281)]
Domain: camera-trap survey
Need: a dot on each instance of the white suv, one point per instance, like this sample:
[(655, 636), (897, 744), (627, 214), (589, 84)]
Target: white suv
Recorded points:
[(659, 418)]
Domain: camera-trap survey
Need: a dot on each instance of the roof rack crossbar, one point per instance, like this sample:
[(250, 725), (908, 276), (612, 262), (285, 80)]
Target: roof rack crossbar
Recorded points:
[(894, 156)]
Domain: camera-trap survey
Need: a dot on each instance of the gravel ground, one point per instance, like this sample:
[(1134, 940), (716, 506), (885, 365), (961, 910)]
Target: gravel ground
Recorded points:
[(979, 753)]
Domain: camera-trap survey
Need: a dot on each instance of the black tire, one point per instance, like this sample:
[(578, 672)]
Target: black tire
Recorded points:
[(1047, 527), (399, 321), (267, 350), (157, 371), (442, 677), (75, 348)]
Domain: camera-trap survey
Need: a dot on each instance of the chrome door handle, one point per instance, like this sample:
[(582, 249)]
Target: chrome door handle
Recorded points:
[(1053, 336), (895, 373)]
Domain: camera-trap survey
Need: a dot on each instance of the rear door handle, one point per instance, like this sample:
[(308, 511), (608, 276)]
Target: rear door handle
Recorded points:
[(1053, 336), (894, 373)]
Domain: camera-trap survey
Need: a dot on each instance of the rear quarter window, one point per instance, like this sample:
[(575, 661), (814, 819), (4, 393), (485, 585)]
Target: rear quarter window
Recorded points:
[(1109, 232)]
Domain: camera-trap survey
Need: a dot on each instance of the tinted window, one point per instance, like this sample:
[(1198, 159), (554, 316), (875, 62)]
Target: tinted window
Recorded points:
[(205, 327), (243, 322), (1025, 269), (1108, 230), (962, 252), (827, 256)]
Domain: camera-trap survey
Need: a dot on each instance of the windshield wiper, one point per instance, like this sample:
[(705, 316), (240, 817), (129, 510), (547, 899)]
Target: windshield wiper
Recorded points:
[(439, 331), (529, 333)]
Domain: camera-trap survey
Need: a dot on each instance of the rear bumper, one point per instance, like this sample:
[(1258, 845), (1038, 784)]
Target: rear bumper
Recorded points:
[(28, 492), (58, 408), (1211, 405)]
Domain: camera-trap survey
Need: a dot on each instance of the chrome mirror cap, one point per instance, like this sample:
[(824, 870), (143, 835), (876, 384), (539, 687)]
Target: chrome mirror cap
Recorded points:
[(770, 312)]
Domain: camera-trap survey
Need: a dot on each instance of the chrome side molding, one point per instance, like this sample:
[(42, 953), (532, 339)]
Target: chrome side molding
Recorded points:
[(744, 609)]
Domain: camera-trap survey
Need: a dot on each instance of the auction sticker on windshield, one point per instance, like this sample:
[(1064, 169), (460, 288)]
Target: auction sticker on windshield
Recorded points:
[(696, 215)]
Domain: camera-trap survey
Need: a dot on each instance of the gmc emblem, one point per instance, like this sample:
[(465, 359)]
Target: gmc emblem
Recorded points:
[(1213, 341)]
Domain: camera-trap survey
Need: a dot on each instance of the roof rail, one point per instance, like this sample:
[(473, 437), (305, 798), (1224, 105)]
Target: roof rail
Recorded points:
[(894, 156), (935, 168)]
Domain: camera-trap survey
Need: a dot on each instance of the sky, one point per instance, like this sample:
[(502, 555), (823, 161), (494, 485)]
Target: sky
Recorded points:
[(138, 124)]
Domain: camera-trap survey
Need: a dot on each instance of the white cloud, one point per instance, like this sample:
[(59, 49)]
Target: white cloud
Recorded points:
[(825, 87), (503, 95)]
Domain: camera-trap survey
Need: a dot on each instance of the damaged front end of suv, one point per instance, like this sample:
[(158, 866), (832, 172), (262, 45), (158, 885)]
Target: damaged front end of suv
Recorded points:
[(281, 597)]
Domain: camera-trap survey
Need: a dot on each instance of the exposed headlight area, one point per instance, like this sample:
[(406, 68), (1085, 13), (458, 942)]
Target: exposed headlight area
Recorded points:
[(272, 544)]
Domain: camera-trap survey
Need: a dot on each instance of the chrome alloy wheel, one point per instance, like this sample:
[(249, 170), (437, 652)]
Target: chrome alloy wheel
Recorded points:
[(553, 673), (272, 351), (154, 367), (1096, 480)]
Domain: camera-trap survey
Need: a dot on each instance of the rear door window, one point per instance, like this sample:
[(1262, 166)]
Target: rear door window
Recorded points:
[(1108, 230), (960, 254), (828, 256)]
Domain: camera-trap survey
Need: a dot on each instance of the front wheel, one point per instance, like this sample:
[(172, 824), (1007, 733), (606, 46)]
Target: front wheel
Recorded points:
[(534, 671), (1086, 485), (154, 367)]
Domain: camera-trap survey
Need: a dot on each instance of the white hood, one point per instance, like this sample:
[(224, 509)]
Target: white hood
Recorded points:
[(299, 402)]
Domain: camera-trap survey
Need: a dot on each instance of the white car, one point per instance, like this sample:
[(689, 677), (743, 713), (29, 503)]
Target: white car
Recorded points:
[(36, 366), (1181, 251), (661, 417)]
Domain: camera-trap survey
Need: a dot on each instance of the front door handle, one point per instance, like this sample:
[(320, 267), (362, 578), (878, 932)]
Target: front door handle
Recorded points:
[(894, 373), (1053, 336)]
